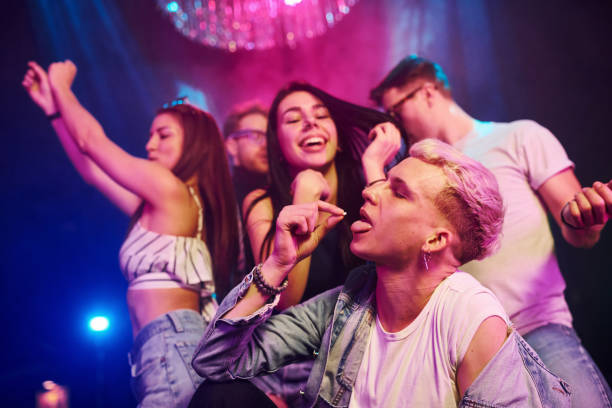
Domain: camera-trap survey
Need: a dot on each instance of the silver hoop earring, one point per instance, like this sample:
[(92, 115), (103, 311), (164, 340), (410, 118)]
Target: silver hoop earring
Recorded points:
[(426, 255)]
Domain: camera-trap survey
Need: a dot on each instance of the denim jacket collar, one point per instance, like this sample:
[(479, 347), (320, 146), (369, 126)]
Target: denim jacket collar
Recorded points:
[(515, 376)]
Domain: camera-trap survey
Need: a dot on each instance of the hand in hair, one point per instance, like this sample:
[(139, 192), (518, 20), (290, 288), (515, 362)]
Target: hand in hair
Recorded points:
[(37, 85), (309, 186), (61, 74), (385, 142)]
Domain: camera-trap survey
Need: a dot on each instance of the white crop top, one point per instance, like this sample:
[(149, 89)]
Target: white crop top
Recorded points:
[(152, 260)]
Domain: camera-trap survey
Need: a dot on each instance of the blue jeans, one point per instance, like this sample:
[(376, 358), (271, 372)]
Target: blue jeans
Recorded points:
[(160, 360), (561, 350)]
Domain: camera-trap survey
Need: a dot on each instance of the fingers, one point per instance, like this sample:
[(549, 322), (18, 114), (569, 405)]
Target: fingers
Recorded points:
[(28, 79), (584, 207), (40, 72), (333, 220), (303, 219), (574, 210), (605, 192), (597, 205), (383, 129), (299, 219), (385, 142), (325, 192), (330, 208), (374, 132), (591, 206), (336, 214), (300, 228)]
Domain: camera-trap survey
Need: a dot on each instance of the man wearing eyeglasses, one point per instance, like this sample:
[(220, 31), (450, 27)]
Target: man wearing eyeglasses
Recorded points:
[(535, 176), (245, 143)]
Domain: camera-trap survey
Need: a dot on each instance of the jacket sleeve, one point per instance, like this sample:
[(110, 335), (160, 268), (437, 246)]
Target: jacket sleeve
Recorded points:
[(516, 378), (261, 343)]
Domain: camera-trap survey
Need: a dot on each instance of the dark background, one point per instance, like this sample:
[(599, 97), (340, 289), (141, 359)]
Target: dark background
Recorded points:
[(543, 60)]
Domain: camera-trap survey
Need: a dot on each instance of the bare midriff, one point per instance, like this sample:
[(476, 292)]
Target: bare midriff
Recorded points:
[(147, 304)]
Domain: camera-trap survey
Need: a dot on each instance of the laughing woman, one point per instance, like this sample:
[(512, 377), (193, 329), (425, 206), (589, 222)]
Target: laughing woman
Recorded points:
[(319, 148), (315, 146), (184, 226)]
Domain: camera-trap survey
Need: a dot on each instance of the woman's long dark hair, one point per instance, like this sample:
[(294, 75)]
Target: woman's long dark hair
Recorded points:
[(353, 123), (204, 154)]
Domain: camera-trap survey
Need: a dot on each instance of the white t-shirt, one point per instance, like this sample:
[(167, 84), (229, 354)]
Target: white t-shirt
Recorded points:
[(524, 273), (417, 366)]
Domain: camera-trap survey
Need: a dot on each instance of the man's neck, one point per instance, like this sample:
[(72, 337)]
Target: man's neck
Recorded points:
[(456, 124), (401, 295)]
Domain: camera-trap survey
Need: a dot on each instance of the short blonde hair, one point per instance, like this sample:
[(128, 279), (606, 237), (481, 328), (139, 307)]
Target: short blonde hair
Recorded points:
[(471, 201)]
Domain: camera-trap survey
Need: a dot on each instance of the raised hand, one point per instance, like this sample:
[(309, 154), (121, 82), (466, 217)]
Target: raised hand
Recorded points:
[(61, 75), (385, 143), (36, 83), (300, 228), (309, 186), (590, 208)]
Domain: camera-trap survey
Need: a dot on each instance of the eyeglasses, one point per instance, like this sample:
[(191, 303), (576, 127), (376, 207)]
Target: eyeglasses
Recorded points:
[(254, 135), (397, 105), (178, 101)]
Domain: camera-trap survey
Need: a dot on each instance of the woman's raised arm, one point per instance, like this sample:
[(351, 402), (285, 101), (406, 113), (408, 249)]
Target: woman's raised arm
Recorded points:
[(37, 85), (150, 181)]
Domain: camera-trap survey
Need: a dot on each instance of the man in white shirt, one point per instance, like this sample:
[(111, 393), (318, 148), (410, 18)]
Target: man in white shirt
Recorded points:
[(535, 176)]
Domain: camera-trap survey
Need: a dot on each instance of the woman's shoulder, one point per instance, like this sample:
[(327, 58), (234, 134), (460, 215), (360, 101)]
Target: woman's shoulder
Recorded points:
[(257, 202)]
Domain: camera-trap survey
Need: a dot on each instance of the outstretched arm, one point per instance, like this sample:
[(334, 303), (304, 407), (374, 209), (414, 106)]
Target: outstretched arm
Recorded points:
[(585, 210), (150, 181), (385, 143), (37, 85), (298, 232)]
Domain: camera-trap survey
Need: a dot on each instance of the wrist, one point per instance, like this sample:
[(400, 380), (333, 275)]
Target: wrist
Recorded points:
[(276, 271), (49, 110), (53, 115), (267, 285), (372, 170)]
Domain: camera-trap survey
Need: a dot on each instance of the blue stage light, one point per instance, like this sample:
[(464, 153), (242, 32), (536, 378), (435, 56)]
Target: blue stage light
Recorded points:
[(99, 323), (172, 7)]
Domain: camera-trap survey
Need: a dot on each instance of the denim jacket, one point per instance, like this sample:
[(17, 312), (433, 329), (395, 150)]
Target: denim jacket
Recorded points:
[(334, 327)]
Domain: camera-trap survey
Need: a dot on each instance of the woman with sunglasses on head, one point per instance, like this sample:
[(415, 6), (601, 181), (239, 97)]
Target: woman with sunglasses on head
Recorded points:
[(184, 226)]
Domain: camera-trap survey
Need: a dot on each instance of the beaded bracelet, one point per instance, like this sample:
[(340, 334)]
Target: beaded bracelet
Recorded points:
[(563, 220), (263, 286)]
